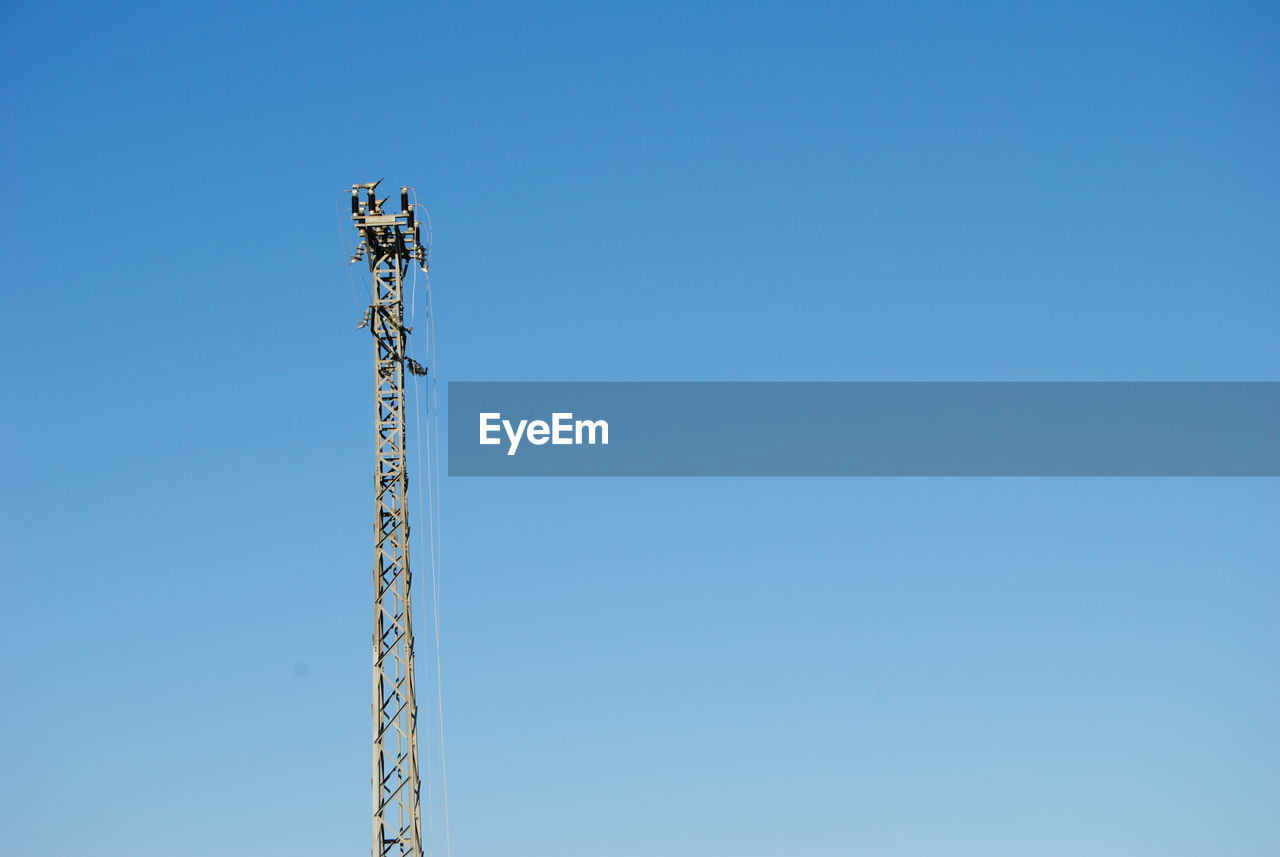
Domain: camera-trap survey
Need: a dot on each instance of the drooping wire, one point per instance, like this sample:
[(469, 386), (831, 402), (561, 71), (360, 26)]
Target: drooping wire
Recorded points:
[(348, 250), (421, 529), (417, 206), (433, 529), (438, 566)]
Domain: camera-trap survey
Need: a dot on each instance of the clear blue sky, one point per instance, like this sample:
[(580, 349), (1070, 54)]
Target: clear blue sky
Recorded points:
[(707, 191)]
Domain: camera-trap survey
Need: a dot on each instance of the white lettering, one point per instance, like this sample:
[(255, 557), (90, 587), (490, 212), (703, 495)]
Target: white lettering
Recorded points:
[(487, 426), (514, 436), (541, 429), (562, 430), (591, 426)]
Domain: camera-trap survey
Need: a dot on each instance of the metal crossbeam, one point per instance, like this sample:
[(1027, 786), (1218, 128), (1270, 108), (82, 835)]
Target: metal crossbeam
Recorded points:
[(390, 243)]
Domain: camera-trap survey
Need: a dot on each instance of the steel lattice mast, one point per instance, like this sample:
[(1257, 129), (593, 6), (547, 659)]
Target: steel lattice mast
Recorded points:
[(391, 243)]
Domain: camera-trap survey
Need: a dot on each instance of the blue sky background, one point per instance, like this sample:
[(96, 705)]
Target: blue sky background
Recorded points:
[(710, 191)]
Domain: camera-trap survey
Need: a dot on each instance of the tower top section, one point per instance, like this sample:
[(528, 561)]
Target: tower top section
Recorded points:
[(383, 235)]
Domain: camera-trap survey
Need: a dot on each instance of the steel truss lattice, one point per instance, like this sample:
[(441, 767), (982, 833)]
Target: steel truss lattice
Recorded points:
[(391, 243)]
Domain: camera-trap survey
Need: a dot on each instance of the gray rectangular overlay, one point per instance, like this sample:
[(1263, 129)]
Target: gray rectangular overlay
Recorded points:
[(876, 428)]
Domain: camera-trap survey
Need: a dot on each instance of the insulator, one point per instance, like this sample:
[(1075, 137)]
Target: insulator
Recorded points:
[(404, 199), (355, 201)]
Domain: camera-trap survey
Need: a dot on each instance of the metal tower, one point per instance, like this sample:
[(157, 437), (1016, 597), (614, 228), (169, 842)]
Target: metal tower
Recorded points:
[(391, 243)]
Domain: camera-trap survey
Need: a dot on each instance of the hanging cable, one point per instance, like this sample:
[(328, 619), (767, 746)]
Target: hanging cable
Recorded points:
[(348, 250), (433, 470), (428, 549), (431, 528)]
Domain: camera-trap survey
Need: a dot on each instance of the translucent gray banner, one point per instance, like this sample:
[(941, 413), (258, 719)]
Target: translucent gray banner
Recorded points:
[(864, 429)]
